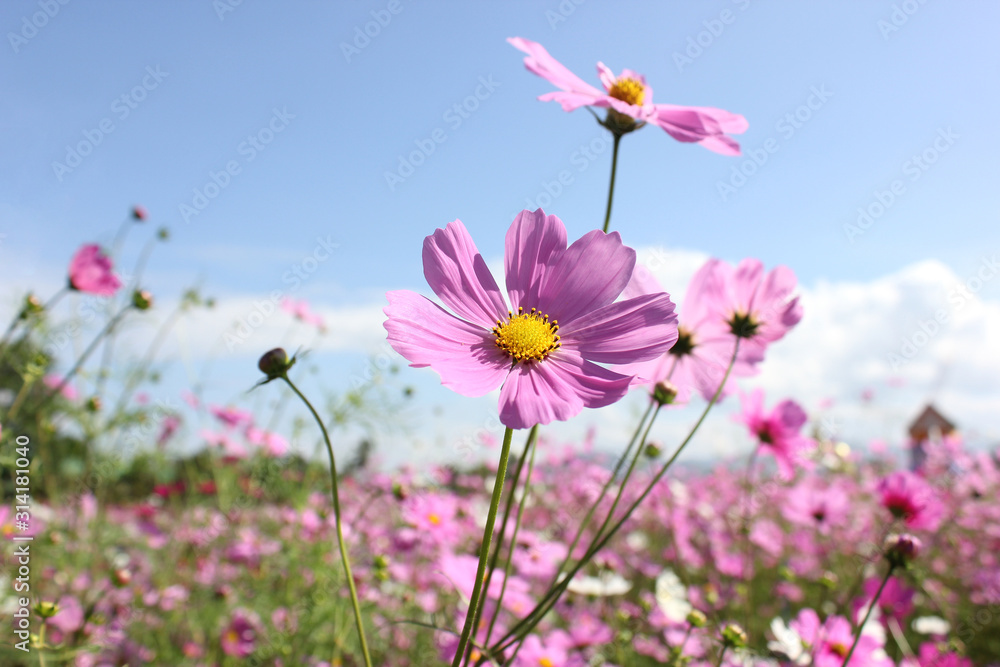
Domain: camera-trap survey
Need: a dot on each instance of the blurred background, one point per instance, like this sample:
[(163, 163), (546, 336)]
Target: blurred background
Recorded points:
[(304, 150)]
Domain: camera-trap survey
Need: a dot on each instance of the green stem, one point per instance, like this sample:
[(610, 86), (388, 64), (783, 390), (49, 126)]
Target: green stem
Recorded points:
[(600, 497), (611, 189), (628, 474), (513, 537), (549, 600), (857, 635), (722, 654), (108, 328), (484, 550), (340, 533), (747, 547)]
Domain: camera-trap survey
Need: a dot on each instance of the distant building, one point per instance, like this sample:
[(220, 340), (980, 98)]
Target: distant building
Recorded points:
[(929, 427)]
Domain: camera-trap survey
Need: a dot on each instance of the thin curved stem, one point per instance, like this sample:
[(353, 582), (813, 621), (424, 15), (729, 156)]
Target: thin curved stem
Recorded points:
[(340, 533), (549, 600), (600, 497), (611, 188), (484, 550), (861, 626)]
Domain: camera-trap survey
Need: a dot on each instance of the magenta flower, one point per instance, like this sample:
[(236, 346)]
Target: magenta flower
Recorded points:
[(90, 271), (239, 639), (777, 431), (562, 318), (756, 307), (630, 96), (910, 498), (301, 311)]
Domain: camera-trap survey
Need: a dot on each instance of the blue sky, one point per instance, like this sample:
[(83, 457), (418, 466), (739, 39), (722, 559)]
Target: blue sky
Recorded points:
[(309, 114)]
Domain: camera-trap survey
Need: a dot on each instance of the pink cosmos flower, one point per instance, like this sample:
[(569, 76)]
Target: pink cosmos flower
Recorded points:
[(301, 311), (756, 307), (911, 499), (704, 347), (562, 319), (90, 271), (230, 416), (630, 96), (830, 641), (777, 431), (239, 638), (68, 391), (139, 213)]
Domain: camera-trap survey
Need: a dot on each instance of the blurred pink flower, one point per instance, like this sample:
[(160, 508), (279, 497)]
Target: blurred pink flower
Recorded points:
[(628, 94), (562, 319), (832, 639), (910, 498), (301, 311), (231, 417), (699, 358), (756, 307), (777, 431), (90, 271), (139, 213), (68, 391), (239, 638)]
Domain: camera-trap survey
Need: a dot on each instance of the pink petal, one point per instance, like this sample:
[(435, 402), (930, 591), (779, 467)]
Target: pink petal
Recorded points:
[(704, 125), (572, 101), (459, 276), (627, 331), (541, 63), (589, 275), (532, 242), (606, 76), (744, 284), (556, 389), (464, 355), (641, 283)]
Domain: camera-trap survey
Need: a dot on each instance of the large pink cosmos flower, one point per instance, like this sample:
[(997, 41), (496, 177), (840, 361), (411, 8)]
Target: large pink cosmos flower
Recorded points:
[(829, 641), (757, 307), (698, 361), (541, 349), (630, 96), (777, 431), (90, 271)]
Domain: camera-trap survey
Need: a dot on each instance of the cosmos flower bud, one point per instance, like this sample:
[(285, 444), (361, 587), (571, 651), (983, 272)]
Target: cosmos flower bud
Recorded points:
[(733, 636), (31, 306), (901, 549), (94, 404), (163, 233), (399, 491), (652, 450), (46, 609), (664, 393), (697, 619), (139, 213), (275, 363), (142, 300)]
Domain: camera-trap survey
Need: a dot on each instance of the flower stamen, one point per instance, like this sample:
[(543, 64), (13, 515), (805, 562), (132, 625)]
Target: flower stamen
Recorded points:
[(630, 91), (527, 336)]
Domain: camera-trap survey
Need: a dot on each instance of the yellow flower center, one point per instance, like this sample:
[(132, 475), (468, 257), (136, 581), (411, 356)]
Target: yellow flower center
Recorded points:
[(545, 662), (527, 336), (434, 518), (628, 90), (839, 649)]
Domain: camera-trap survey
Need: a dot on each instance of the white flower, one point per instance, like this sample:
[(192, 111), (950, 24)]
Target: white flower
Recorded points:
[(787, 642), (931, 625), (671, 596), (604, 585)]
